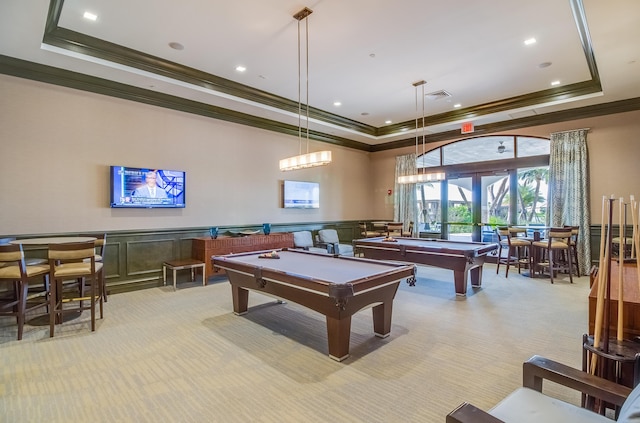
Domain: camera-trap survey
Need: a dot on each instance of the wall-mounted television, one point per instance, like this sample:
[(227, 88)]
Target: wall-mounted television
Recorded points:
[(139, 187), (301, 195)]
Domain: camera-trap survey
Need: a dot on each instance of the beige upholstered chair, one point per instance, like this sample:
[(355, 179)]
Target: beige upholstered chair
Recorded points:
[(304, 240), (329, 238), (16, 300), (529, 404), (556, 249), (74, 261)]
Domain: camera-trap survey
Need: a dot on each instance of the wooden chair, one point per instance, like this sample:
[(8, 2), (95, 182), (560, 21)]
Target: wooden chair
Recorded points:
[(14, 270), (394, 229), (365, 232), (529, 404), (100, 244), (573, 247), (409, 232), (74, 261), (556, 248), (517, 247)]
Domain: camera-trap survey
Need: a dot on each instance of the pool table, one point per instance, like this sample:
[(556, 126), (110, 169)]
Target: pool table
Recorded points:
[(463, 258), (335, 286)]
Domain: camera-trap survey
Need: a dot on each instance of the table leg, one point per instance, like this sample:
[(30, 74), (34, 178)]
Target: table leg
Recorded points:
[(204, 280), (240, 299), (460, 279), (476, 276), (164, 274), (338, 334), (174, 279), (382, 319)]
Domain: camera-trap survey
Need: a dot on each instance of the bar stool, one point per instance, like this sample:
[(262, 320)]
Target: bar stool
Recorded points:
[(556, 244), (517, 248)]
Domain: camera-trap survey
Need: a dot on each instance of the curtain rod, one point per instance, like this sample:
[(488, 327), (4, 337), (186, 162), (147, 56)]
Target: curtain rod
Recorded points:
[(571, 130)]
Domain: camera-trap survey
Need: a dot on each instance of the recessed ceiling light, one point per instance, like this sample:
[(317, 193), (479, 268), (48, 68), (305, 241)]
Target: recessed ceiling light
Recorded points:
[(241, 68), (365, 113), (554, 83), (387, 122), (529, 41), (544, 65), (337, 103), (90, 16), (457, 105), (176, 46)]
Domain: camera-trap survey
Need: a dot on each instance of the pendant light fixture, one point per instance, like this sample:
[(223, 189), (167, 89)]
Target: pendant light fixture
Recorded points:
[(319, 158), (420, 176)]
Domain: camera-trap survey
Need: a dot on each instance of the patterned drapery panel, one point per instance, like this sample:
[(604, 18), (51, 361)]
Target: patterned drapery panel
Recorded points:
[(405, 205), (569, 189)]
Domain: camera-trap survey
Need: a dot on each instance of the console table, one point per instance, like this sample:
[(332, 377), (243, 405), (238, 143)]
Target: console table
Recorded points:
[(204, 248)]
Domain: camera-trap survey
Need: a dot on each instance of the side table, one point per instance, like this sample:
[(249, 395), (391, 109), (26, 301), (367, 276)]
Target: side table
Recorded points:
[(183, 264)]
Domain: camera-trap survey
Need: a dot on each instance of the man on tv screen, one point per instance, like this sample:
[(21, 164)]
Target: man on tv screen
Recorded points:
[(150, 189)]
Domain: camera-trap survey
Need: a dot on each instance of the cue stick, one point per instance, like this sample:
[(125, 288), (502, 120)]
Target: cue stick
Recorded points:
[(607, 279), (635, 210), (633, 221), (622, 227), (597, 329)]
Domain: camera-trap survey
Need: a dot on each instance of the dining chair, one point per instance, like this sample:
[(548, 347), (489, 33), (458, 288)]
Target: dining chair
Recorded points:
[(395, 229), (74, 261), (409, 232), (17, 301), (556, 248), (365, 232), (28, 260)]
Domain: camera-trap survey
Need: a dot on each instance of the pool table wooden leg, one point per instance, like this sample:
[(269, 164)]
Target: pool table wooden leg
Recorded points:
[(476, 276), (240, 299), (460, 280), (382, 319), (338, 333)]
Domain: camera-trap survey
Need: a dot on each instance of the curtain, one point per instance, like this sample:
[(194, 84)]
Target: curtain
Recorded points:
[(569, 189), (404, 209)]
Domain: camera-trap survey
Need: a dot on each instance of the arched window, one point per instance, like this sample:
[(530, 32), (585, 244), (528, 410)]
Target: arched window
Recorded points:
[(491, 180)]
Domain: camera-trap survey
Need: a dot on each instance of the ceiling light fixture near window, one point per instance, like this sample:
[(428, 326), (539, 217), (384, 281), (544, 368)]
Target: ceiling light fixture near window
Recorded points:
[(176, 46), (241, 68), (555, 83), (387, 122), (529, 41), (337, 103), (90, 16), (457, 106)]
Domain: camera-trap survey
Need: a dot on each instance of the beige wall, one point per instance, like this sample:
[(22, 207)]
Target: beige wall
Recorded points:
[(613, 143), (57, 145)]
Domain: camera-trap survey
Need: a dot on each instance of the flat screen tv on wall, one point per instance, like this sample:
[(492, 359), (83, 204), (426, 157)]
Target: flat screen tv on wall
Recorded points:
[(139, 187), (301, 195)]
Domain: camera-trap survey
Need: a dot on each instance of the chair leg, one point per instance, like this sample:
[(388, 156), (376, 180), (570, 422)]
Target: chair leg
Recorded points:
[(551, 264), (22, 306), (52, 305), (570, 266), (499, 259)]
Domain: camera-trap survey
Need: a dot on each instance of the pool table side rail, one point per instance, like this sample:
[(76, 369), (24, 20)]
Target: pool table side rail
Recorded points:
[(398, 271)]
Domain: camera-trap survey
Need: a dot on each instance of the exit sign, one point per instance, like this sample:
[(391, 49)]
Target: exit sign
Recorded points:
[(467, 128)]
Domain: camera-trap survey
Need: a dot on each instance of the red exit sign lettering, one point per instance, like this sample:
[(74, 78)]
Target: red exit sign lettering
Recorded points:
[(467, 128)]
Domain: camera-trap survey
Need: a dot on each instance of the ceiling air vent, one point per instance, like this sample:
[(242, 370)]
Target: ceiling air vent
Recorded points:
[(437, 95)]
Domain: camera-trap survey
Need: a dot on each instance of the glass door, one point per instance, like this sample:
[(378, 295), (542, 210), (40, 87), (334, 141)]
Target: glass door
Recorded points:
[(460, 224), (495, 205)]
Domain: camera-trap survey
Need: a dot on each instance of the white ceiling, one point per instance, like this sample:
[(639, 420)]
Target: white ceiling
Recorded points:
[(364, 53)]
